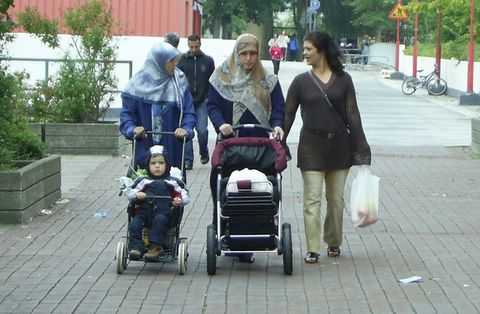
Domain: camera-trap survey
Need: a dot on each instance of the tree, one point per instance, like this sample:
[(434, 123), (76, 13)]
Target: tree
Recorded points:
[(16, 141), (455, 24), (371, 16), (86, 74)]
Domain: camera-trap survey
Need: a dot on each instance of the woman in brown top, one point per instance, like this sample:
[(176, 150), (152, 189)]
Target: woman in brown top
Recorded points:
[(331, 139)]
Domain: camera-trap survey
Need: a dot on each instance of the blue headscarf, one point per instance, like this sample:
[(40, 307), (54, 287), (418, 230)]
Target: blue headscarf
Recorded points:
[(153, 83)]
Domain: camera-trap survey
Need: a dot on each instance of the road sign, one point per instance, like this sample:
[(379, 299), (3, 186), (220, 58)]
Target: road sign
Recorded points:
[(399, 12), (315, 5)]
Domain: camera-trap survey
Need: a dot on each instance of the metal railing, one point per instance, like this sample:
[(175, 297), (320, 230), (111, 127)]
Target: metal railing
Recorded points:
[(47, 62)]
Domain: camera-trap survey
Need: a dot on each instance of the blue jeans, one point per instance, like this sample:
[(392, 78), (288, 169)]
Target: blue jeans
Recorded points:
[(202, 133)]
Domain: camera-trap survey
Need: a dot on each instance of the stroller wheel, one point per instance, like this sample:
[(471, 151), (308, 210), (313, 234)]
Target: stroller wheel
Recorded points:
[(121, 257), (182, 256), (211, 250), (287, 249)]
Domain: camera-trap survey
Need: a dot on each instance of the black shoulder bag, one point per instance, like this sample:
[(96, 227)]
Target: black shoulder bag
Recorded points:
[(324, 94)]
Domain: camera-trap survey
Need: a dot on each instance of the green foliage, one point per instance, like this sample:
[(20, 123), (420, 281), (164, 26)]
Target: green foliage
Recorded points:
[(16, 141), (452, 49), (78, 92), (45, 29)]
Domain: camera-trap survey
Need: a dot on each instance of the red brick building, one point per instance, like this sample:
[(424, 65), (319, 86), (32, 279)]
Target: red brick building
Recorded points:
[(136, 17)]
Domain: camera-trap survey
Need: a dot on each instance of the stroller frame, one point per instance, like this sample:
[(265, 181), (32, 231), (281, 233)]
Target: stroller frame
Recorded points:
[(178, 246), (246, 204)]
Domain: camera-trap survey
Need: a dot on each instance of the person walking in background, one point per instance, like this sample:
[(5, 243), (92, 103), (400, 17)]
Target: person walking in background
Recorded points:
[(331, 139), (283, 41), (198, 67), (157, 99), (276, 55), (293, 48), (172, 38), (365, 51), (272, 40), (242, 92)]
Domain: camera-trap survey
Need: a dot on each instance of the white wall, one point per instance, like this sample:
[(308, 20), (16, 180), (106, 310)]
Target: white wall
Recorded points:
[(130, 48), (454, 72)]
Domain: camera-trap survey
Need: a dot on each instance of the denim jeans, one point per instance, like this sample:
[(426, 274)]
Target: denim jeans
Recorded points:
[(202, 133), (312, 201)]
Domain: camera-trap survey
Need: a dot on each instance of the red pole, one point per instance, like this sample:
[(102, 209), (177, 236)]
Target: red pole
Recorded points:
[(439, 46), (397, 47), (471, 49), (415, 45)]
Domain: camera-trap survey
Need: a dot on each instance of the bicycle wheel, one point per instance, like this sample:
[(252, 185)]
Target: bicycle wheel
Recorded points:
[(409, 85), (437, 87)]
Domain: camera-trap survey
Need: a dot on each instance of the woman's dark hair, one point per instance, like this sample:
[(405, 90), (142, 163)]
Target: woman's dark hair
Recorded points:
[(325, 43)]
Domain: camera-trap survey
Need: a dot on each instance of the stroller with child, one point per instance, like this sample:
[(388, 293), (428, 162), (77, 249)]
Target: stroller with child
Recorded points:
[(246, 185), (175, 247)]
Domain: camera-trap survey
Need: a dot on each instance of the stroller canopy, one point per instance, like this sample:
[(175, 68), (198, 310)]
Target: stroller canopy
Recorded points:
[(259, 153)]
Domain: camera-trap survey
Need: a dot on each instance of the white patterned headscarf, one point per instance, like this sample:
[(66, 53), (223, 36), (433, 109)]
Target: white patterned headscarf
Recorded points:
[(247, 90)]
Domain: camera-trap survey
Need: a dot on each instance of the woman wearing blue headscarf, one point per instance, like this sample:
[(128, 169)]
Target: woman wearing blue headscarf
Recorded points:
[(157, 99)]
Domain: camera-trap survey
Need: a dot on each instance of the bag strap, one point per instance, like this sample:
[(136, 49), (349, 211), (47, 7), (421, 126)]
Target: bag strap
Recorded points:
[(324, 94)]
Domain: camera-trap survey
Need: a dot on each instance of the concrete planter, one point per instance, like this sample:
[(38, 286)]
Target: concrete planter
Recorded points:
[(83, 138), (476, 135), (29, 189)]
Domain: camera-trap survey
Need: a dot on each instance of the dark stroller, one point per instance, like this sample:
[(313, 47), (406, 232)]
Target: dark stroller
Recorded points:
[(246, 220), (176, 248)]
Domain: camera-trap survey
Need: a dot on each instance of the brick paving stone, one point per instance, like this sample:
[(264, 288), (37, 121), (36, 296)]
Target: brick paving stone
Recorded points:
[(429, 226)]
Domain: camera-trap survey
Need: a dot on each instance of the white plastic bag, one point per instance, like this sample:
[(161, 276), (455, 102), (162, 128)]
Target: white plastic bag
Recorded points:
[(364, 198)]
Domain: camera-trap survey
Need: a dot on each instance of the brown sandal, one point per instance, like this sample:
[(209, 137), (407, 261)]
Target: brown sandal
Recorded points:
[(333, 251)]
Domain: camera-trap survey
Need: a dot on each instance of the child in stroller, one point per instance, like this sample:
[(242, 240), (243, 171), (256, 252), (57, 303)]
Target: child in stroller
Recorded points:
[(165, 191)]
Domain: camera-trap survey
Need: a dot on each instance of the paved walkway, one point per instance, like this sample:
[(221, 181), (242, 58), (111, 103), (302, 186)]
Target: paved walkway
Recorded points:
[(429, 227)]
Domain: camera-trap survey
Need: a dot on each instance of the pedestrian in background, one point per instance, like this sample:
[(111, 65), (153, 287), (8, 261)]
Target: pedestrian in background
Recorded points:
[(276, 55), (198, 67), (293, 48), (172, 38), (283, 41), (331, 139), (157, 99)]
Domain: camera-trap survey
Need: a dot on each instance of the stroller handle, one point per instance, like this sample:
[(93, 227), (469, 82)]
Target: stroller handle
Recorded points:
[(267, 129), (252, 126)]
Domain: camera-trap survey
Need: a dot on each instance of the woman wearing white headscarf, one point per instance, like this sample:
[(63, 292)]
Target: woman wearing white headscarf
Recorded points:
[(157, 99), (241, 92)]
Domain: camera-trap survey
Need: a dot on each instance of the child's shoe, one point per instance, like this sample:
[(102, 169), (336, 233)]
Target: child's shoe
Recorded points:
[(134, 255), (154, 252)]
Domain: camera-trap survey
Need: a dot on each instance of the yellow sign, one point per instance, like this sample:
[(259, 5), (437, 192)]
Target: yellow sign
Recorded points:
[(399, 12)]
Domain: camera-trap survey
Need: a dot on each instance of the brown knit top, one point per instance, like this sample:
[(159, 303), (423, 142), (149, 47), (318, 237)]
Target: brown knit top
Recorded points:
[(325, 143)]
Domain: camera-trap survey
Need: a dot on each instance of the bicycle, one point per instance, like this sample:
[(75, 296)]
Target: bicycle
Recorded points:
[(433, 82)]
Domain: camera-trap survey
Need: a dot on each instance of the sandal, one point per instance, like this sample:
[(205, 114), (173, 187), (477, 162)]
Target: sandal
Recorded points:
[(333, 251), (311, 258)]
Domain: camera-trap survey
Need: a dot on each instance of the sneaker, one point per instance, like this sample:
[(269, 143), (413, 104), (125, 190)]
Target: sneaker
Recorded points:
[(134, 255), (204, 160), (188, 166), (154, 252)]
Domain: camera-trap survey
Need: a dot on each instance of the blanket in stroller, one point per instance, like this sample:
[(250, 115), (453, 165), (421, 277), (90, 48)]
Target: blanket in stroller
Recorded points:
[(250, 180)]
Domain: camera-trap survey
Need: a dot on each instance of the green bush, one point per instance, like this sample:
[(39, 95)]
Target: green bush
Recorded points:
[(453, 49), (80, 91), (16, 141)]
